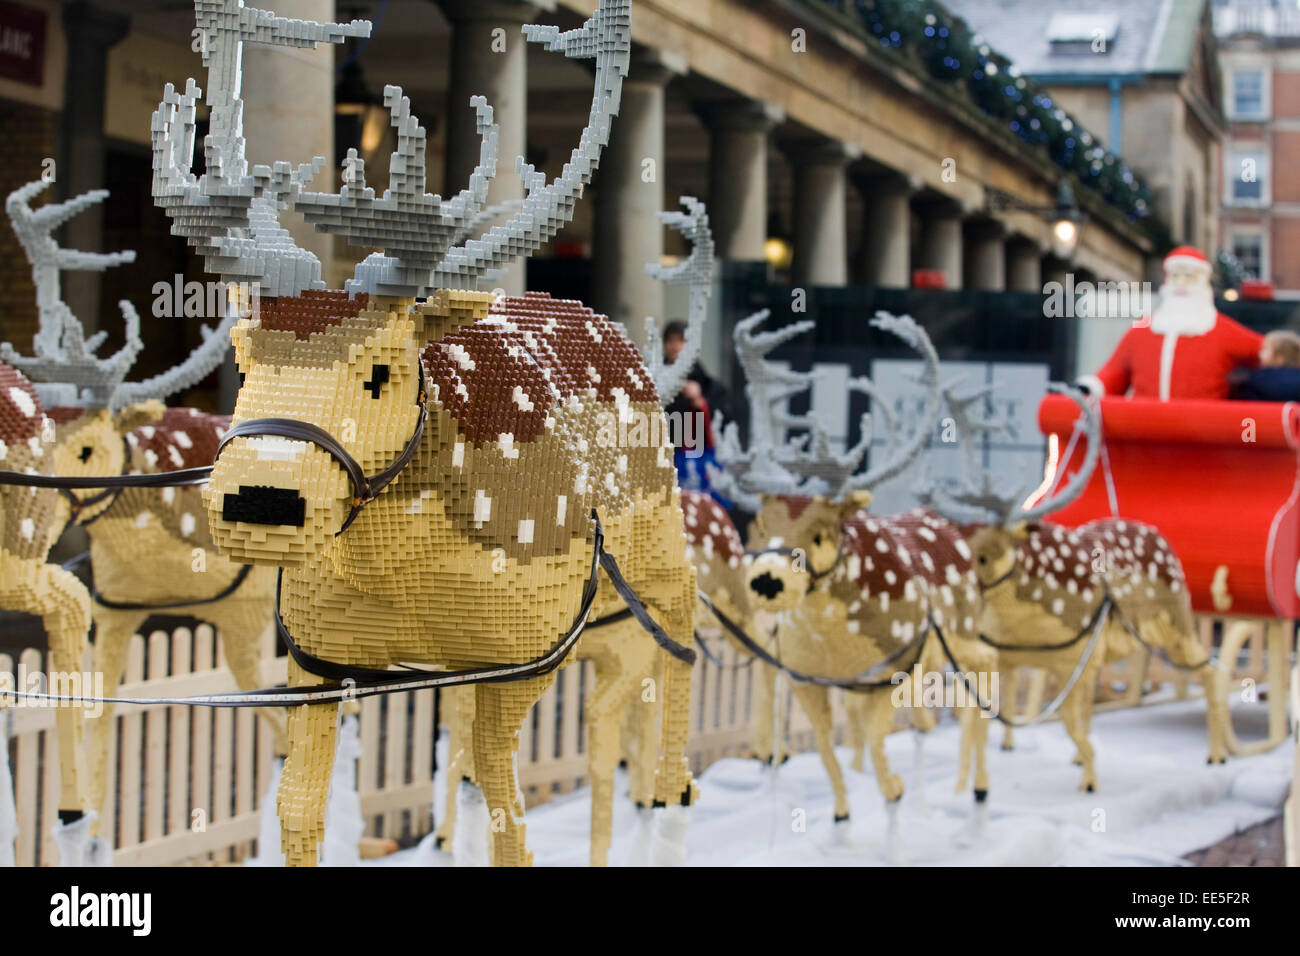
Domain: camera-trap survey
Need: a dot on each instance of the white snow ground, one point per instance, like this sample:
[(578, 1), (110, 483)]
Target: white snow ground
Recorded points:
[(1157, 801)]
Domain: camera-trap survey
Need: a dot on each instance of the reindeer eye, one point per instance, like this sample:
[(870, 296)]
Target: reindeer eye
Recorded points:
[(378, 376), (984, 559), (817, 539), (86, 452)]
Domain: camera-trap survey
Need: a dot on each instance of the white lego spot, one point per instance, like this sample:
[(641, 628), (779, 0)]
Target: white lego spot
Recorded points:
[(187, 524), (26, 404), (151, 458), (458, 455), (963, 549), (142, 519), (267, 448), (891, 578), (855, 567), (882, 545), (593, 374), (168, 495), (592, 331), (28, 525), (506, 442), (621, 465), (884, 602), (182, 439), (525, 531), (148, 431), (4, 451), (927, 534), (1058, 606), (461, 357), (952, 575), (482, 507), (521, 399), (610, 483), (561, 508), (34, 443), (175, 455)]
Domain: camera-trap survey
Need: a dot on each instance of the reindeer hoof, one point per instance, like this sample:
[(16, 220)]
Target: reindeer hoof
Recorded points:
[(1090, 787)]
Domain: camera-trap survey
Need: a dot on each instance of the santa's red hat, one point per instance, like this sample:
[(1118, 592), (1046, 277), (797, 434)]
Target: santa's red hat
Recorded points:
[(1187, 256)]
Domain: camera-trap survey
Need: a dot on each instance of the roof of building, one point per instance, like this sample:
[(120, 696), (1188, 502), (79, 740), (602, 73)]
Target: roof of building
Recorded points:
[(1141, 36)]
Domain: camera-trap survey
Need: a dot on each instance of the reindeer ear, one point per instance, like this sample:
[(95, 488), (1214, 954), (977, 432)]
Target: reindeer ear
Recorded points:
[(854, 502), (242, 337), (1019, 531), (137, 416), (449, 309)]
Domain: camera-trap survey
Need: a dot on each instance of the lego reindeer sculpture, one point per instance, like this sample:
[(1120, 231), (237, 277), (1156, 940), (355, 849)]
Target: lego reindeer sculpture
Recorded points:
[(423, 462), (860, 597), (150, 548), (1065, 599), (31, 520), (623, 659)]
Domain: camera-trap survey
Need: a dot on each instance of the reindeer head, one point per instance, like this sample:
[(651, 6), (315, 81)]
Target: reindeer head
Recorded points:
[(344, 368), (350, 366), (802, 492)]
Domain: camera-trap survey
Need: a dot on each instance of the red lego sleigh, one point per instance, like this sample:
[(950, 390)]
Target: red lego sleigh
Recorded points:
[(1191, 469)]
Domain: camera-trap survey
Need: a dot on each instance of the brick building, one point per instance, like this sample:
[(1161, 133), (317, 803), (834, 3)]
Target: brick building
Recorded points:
[(1260, 56)]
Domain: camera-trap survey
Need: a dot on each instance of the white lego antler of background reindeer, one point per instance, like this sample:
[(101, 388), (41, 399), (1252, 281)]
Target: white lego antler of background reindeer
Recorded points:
[(696, 271), (977, 497), (64, 365), (806, 465)]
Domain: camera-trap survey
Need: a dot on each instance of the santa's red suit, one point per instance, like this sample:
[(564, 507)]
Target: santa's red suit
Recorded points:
[(1172, 355)]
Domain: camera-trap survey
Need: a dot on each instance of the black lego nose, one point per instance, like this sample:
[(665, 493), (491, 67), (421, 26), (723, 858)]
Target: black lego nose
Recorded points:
[(766, 585), (260, 505)]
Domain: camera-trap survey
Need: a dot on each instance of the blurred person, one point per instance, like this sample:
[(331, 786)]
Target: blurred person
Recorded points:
[(1278, 377)]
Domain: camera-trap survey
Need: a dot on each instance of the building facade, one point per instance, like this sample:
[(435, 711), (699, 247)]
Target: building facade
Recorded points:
[(1260, 188)]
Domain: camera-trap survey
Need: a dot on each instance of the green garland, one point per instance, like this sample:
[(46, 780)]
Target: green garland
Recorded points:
[(952, 54)]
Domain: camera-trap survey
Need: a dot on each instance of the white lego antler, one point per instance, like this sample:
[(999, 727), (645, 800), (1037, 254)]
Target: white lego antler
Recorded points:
[(606, 37), (759, 470), (64, 365), (695, 271), (837, 475), (230, 215), (413, 227), (984, 501), (899, 458)]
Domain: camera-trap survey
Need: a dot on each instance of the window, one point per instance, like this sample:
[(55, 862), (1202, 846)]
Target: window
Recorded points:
[(1248, 247), (1247, 177), (1248, 94)]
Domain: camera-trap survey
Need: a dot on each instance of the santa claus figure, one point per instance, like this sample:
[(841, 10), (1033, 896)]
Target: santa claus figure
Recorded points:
[(1186, 348)]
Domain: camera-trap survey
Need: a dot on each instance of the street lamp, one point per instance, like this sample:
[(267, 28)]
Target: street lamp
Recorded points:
[(1065, 217)]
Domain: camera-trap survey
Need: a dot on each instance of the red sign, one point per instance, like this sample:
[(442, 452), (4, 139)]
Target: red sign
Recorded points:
[(22, 43)]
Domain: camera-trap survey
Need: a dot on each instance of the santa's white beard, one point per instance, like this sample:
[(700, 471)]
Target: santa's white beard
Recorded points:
[(1184, 311)]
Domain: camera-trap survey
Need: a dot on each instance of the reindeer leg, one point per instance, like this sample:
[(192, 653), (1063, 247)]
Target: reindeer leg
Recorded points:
[(113, 630), (623, 658), (64, 606), (1074, 714), (304, 783), (855, 712), (241, 625), (499, 710), (816, 704), (643, 721), (458, 706), (1186, 650), (765, 745)]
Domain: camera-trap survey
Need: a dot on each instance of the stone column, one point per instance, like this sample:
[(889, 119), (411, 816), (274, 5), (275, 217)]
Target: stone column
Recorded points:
[(1024, 265), (820, 224), (90, 33), (885, 260), (984, 261), (941, 245), (1054, 269), (481, 67), (629, 196), (289, 114), (739, 134)]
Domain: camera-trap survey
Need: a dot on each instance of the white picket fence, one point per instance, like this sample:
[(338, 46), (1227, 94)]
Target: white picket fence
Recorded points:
[(186, 783)]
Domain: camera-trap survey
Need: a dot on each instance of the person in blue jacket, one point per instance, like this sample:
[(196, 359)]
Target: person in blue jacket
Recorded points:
[(1278, 377)]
